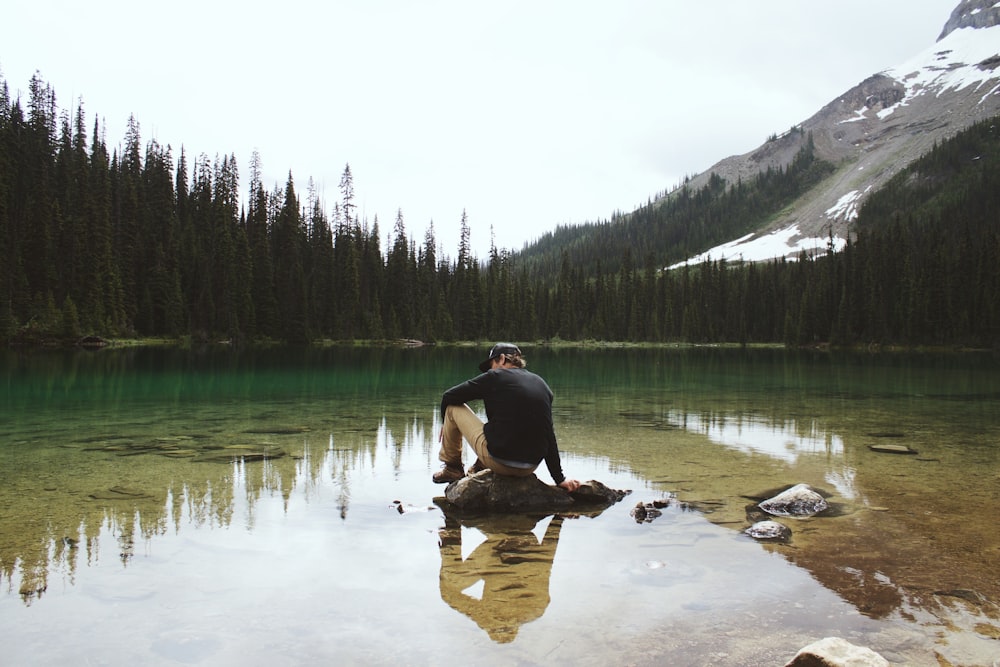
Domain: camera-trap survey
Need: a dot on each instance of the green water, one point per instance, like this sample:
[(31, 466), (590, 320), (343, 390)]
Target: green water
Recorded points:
[(275, 507)]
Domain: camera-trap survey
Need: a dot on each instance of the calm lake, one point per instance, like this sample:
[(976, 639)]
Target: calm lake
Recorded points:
[(275, 507)]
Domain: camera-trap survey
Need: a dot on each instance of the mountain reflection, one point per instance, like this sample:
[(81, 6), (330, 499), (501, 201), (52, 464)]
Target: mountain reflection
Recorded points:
[(503, 581)]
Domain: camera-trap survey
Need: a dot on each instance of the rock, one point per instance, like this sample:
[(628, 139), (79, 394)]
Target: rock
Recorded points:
[(409, 508), (179, 453), (755, 513), (245, 453), (769, 530), (120, 493), (596, 493), (836, 652), (277, 430), (91, 342), (964, 594), (892, 449), (488, 492), (646, 512), (800, 500)]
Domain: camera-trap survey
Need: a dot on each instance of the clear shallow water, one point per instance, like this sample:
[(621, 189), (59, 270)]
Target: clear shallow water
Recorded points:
[(128, 533)]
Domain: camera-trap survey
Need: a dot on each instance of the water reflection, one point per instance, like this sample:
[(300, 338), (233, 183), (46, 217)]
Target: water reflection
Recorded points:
[(787, 439), (109, 459), (496, 570)]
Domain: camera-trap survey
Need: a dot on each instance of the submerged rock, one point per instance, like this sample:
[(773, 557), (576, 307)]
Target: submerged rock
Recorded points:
[(120, 493), (769, 530), (179, 453), (892, 449), (245, 453), (800, 500), (277, 430)]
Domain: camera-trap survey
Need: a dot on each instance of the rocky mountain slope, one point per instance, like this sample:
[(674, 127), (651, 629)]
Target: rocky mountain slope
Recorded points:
[(872, 131)]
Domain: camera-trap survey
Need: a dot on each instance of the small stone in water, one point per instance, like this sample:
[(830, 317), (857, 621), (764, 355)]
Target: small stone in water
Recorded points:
[(768, 530), (892, 449)]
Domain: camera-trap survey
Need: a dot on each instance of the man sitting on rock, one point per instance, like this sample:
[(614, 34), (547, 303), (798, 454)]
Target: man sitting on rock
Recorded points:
[(518, 434)]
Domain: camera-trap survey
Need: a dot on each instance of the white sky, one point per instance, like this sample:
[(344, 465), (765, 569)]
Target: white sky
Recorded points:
[(525, 114)]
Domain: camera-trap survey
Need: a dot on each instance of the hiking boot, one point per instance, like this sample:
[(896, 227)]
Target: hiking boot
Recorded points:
[(475, 467), (449, 473)]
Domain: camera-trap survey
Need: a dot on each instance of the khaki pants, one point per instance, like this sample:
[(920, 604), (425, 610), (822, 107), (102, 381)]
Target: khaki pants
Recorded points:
[(459, 421)]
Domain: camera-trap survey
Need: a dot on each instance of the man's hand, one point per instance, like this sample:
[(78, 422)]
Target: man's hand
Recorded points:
[(570, 485)]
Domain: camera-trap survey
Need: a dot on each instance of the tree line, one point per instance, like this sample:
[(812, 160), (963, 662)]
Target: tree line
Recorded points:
[(130, 242), (137, 242)]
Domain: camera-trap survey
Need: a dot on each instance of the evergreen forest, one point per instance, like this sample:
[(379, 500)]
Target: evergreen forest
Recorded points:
[(139, 242)]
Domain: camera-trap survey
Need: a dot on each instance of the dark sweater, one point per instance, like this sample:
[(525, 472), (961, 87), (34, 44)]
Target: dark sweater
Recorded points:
[(519, 416)]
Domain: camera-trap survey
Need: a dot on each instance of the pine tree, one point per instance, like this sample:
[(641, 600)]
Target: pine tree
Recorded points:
[(347, 281), (321, 271), (289, 275), (400, 283), (9, 259), (258, 237), (464, 299)]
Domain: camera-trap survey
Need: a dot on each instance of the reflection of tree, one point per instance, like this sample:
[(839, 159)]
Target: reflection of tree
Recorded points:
[(130, 482), (113, 449), (61, 521), (512, 567)]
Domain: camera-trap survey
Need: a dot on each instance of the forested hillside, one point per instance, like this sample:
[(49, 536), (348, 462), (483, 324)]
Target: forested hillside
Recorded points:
[(138, 241), (681, 225), (924, 270)]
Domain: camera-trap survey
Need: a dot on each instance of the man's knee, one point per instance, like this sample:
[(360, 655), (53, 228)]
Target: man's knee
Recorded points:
[(452, 411)]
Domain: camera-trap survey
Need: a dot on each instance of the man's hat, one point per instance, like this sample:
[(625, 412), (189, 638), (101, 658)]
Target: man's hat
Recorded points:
[(496, 351)]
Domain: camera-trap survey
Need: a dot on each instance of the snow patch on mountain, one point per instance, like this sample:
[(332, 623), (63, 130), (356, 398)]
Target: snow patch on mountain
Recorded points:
[(846, 207), (758, 248), (872, 132), (966, 57)]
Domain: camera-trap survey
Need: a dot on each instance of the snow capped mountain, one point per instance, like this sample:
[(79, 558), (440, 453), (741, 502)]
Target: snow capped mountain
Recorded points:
[(962, 58), (871, 132)]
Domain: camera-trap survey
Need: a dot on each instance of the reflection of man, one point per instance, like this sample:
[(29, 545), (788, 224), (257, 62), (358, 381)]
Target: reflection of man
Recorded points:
[(504, 582)]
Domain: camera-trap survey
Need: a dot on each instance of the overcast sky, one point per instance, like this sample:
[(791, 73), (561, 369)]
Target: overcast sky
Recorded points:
[(524, 114)]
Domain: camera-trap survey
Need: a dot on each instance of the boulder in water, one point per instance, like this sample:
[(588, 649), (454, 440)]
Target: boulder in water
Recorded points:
[(800, 500), (836, 652), (488, 492)]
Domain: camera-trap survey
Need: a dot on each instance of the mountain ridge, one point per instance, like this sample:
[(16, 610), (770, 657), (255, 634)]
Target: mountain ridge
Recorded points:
[(870, 133), (972, 14)]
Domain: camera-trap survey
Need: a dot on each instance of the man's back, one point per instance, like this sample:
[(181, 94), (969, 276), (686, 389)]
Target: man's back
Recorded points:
[(519, 414)]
